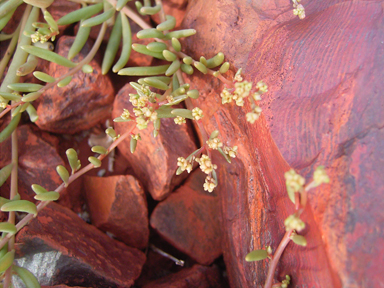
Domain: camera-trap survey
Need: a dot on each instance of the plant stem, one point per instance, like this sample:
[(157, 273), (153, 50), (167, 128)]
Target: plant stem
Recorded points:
[(11, 48), (59, 189), (276, 257)]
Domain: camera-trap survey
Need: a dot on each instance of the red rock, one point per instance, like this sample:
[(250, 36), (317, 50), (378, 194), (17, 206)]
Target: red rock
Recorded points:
[(117, 204), (189, 219), (323, 108), (83, 103), (38, 158), (196, 276), (66, 250), (155, 159), (59, 8)]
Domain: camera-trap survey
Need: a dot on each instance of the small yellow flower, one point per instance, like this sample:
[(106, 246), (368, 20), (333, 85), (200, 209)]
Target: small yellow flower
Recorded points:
[(231, 152), (184, 164), (125, 115), (294, 181), (214, 143), (206, 164), (179, 120), (197, 113), (294, 223), (209, 184)]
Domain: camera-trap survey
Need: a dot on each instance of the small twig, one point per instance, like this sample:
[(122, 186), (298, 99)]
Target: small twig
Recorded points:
[(165, 254)]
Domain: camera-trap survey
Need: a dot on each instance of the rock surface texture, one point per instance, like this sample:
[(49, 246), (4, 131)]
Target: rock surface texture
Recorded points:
[(155, 159), (60, 248), (81, 104), (117, 204), (324, 107), (189, 219)]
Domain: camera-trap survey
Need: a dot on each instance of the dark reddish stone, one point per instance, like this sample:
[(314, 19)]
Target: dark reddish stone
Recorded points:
[(196, 276), (83, 103), (117, 204), (59, 8), (323, 108), (189, 220), (155, 159), (38, 158), (78, 253)]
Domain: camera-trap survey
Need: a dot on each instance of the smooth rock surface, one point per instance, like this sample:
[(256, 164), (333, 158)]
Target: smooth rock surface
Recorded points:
[(84, 102), (189, 219), (60, 248), (323, 108), (155, 159), (117, 204)]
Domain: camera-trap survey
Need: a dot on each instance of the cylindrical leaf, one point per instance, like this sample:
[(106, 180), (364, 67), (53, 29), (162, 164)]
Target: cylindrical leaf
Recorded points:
[(169, 56), (79, 42), (48, 55), (176, 44), (27, 277), (180, 34), (256, 255), (156, 83), (144, 50), (5, 172), (99, 19), (20, 206), (44, 77), (224, 68), (7, 131), (173, 68), (194, 94), (6, 261), (112, 46), (168, 24), (8, 228), (120, 4), (185, 113), (83, 13), (150, 10), (73, 160), (48, 196), (87, 68), (100, 150), (201, 67), (144, 71), (156, 46), (299, 240), (10, 96), (65, 81), (149, 33), (96, 162), (187, 69), (39, 3), (133, 145), (31, 97), (215, 61), (127, 42), (63, 173), (38, 189), (188, 60), (32, 113), (25, 87), (28, 66)]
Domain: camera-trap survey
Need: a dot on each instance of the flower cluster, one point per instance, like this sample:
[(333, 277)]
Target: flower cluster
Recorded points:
[(242, 90), (294, 181), (179, 120), (230, 151), (197, 113), (125, 115), (209, 184), (254, 115), (206, 164), (320, 176), (299, 9), (184, 164), (293, 222), (214, 143)]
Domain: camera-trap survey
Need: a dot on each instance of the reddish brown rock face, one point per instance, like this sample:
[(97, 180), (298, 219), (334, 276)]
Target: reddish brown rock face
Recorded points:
[(189, 220), (117, 204), (80, 105), (77, 253), (38, 158), (155, 159), (196, 276), (323, 108)]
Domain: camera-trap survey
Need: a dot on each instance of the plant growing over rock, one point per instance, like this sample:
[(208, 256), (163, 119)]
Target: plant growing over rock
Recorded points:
[(159, 94)]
